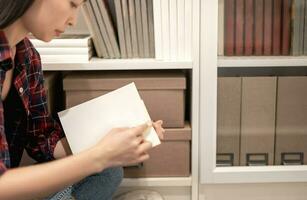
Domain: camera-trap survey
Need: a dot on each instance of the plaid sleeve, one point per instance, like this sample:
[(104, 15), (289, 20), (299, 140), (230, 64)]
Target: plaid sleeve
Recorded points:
[(43, 131)]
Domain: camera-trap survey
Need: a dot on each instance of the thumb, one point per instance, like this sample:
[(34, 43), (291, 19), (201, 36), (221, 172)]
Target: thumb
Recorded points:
[(140, 129)]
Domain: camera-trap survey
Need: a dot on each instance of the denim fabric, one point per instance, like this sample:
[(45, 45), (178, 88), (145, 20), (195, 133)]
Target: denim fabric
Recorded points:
[(96, 187)]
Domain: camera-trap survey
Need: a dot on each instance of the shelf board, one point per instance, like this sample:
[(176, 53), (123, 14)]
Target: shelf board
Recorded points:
[(157, 182), (117, 64), (262, 61), (259, 174)]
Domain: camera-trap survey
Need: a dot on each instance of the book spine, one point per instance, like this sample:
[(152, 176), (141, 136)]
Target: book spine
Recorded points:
[(277, 5), (286, 22), (268, 24), (173, 29), (259, 17), (188, 29), (151, 29), (229, 38), (133, 28), (305, 30), (239, 39), (120, 28), (249, 27), (221, 27), (158, 29), (165, 29), (145, 27), (139, 28), (127, 31)]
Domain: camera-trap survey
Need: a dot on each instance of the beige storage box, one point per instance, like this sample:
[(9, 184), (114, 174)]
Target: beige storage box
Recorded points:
[(258, 120), (228, 121), (291, 121), (162, 92), (170, 159)]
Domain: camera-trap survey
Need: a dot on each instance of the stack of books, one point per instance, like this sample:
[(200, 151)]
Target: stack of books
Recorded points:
[(160, 29), (257, 27), (66, 48), (121, 28)]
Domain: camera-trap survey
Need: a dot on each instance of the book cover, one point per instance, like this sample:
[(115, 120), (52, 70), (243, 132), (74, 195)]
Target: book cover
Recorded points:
[(229, 37), (258, 42), (268, 25)]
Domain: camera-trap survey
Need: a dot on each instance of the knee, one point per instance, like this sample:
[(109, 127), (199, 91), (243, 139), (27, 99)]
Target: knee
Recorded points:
[(113, 175)]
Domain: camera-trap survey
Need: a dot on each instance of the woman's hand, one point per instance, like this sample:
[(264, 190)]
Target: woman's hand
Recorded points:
[(158, 127), (123, 146)]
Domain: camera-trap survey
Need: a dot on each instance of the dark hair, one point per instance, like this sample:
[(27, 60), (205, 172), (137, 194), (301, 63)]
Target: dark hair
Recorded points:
[(11, 10)]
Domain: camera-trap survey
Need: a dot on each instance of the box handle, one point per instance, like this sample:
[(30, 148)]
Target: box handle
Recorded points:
[(257, 159), (224, 159), (136, 166), (292, 158)]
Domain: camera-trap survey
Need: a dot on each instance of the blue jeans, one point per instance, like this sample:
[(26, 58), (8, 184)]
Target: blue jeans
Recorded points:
[(99, 186)]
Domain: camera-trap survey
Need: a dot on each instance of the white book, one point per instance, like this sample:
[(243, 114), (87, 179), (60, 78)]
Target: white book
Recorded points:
[(173, 29), (120, 28), (102, 27), (145, 27), (221, 28), (139, 28), (90, 20), (158, 29), (105, 11), (181, 30), (188, 29), (65, 40), (63, 51), (65, 58), (132, 20), (151, 29), (127, 27), (120, 108), (165, 29)]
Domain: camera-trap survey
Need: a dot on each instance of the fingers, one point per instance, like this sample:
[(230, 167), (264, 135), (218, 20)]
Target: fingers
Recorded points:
[(139, 130), (144, 147), (158, 127)]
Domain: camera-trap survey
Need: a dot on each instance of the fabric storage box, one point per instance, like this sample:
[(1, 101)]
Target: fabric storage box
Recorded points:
[(258, 120), (162, 92), (291, 121), (169, 159), (228, 121)]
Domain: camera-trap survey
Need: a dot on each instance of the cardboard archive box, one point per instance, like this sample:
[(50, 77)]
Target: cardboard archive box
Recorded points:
[(258, 120), (228, 121), (291, 122), (169, 159), (163, 92)]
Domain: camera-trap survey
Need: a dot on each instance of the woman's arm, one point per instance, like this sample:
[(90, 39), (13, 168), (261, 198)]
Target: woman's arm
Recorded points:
[(121, 146)]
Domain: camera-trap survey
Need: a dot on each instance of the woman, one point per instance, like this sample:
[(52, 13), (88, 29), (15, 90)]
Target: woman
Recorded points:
[(25, 123)]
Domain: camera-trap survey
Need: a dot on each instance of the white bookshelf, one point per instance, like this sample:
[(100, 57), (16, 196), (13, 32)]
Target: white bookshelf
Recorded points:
[(209, 64), (261, 61), (179, 188), (158, 182), (116, 64)]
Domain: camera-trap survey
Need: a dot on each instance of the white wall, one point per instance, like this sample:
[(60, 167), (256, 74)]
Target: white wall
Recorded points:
[(265, 191)]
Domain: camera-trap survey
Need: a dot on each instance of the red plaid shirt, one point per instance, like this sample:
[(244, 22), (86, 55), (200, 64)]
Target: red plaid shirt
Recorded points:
[(41, 132)]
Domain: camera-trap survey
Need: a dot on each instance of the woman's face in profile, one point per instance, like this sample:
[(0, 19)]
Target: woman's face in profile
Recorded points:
[(46, 19)]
